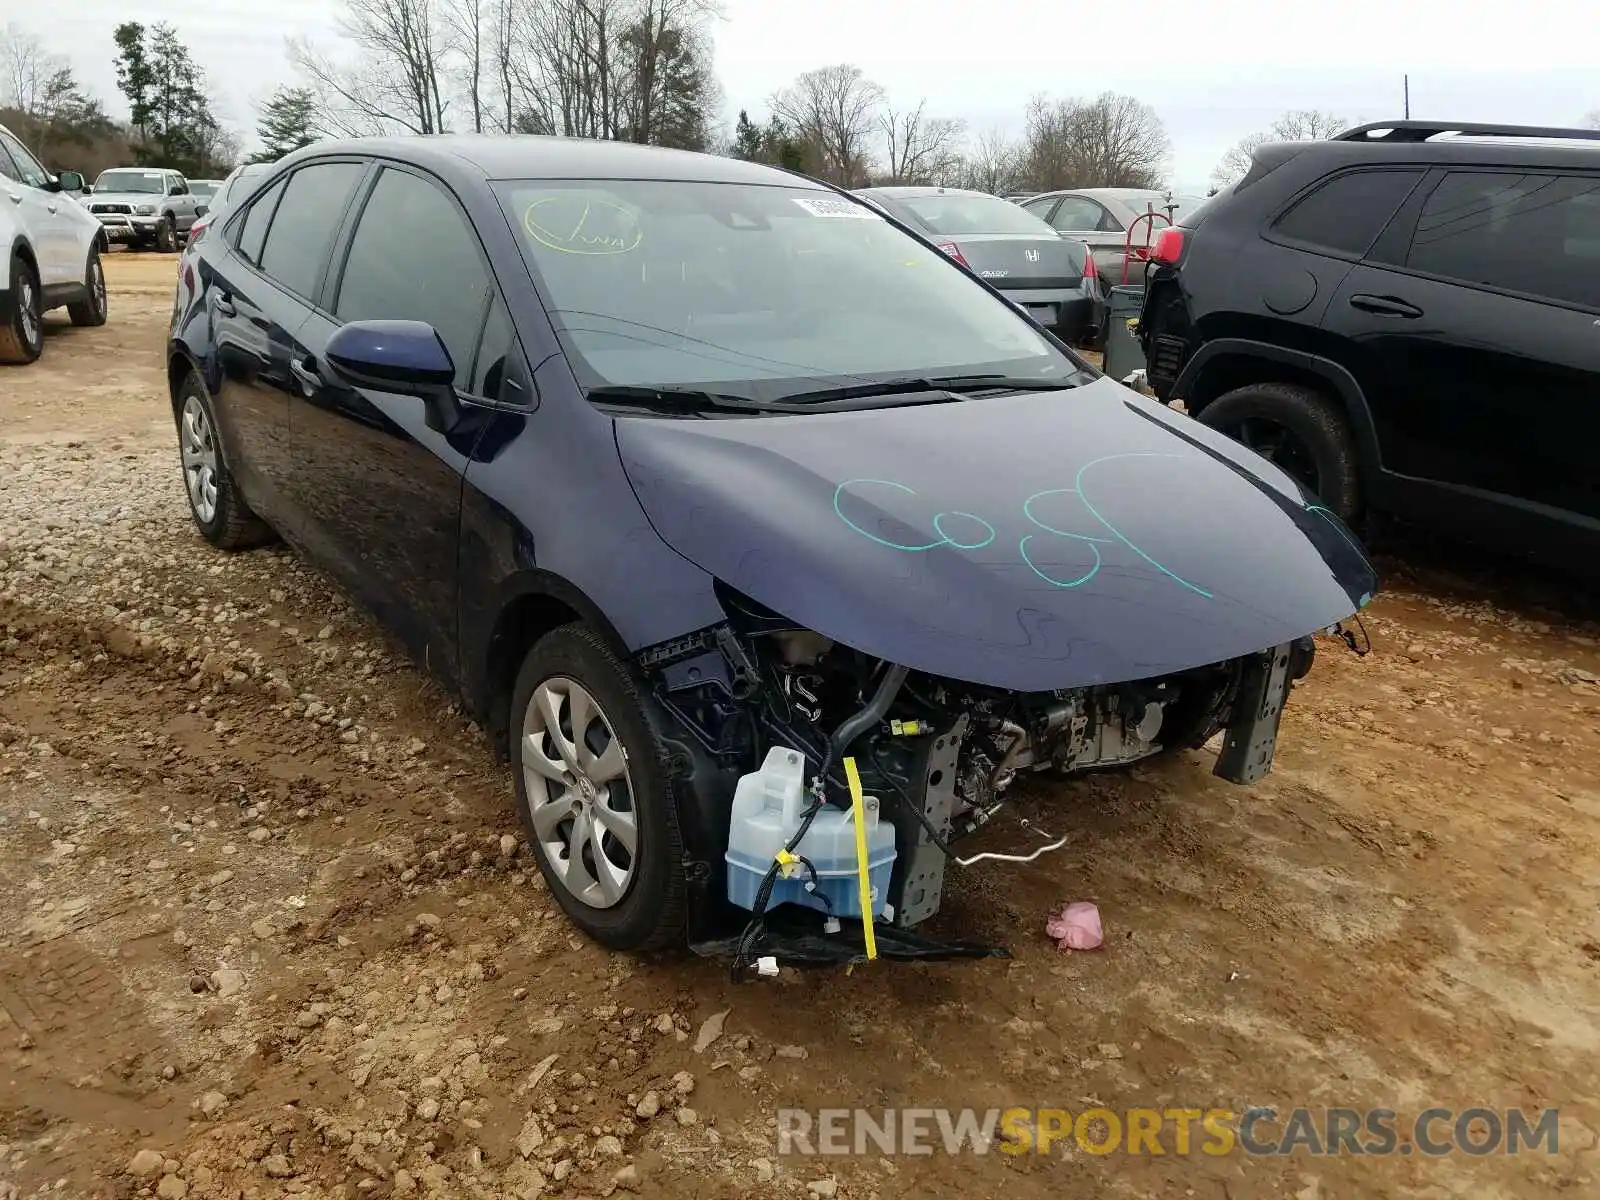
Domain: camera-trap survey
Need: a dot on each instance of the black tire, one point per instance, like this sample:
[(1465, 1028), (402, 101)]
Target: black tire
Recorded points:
[(22, 333), (230, 525), (91, 311), (1318, 449), (651, 912), (167, 236)]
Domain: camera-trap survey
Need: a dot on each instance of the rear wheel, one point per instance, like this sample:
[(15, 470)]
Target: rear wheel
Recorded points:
[(593, 792), (22, 334), (219, 512), (1298, 430), (91, 310)]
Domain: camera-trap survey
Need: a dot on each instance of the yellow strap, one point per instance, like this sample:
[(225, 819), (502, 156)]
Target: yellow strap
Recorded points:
[(863, 877)]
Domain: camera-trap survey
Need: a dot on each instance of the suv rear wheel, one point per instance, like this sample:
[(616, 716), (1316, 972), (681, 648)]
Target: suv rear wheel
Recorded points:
[(1298, 430)]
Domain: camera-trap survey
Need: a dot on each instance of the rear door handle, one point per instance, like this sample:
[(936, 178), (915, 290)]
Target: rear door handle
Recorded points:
[(225, 305), (50, 208), (306, 372), (1387, 306), (15, 199)]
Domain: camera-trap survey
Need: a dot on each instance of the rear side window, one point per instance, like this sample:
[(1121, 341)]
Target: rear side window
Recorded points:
[(1538, 234), (415, 258), (253, 233), (1081, 213), (1348, 212), (302, 229)]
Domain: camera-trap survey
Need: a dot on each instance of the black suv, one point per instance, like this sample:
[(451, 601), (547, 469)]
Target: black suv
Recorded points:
[(1405, 318)]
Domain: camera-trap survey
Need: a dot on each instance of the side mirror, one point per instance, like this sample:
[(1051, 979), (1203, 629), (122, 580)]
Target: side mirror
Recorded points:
[(71, 181), (405, 358)]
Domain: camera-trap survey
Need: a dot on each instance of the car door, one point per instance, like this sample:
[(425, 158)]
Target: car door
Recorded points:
[(38, 212), (1091, 222), (1477, 314), (383, 490), (259, 299), (182, 200)]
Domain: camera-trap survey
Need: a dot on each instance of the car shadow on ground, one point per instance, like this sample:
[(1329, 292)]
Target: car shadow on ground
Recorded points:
[(1414, 558)]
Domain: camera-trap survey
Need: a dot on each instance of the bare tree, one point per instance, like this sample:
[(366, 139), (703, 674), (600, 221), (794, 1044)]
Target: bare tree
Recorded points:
[(26, 68), (919, 148), (393, 81), (1296, 125), (464, 25), (1110, 140), (993, 163), (1592, 121), (834, 110)]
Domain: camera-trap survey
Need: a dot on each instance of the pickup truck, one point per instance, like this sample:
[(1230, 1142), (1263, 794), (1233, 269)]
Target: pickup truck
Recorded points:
[(144, 206)]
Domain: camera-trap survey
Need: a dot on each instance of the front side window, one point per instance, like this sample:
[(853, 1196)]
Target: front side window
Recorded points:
[(759, 291), (28, 167), (1537, 234), (415, 258), (124, 180), (955, 213), (303, 227)]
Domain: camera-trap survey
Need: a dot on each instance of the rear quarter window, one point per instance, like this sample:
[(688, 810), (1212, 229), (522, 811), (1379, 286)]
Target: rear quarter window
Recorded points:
[(1346, 214)]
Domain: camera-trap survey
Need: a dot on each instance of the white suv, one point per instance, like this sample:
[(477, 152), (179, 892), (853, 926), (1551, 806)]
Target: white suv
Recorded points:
[(52, 247)]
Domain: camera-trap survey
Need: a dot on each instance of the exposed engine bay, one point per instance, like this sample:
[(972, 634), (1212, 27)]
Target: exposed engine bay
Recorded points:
[(783, 708)]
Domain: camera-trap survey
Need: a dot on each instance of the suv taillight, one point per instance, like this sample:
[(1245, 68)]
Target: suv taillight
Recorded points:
[(199, 227), (1168, 247), (954, 251)]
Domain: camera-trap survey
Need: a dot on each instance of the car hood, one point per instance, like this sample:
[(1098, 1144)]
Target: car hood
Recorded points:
[(1029, 542)]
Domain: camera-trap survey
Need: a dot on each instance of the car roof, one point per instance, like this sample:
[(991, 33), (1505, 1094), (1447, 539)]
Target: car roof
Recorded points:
[(535, 156), (1463, 143)]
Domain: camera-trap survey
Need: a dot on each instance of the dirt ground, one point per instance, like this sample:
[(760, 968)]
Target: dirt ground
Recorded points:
[(270, 929)]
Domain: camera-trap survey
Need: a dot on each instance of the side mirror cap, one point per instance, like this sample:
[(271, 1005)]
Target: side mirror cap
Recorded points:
[(405, 358), (71, 181)]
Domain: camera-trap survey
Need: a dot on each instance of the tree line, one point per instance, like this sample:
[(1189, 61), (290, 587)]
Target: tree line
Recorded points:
[(630, 70)]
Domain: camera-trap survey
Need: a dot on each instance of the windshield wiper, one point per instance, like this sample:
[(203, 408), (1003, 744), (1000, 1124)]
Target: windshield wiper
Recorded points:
[(676, 399), (934, 390)]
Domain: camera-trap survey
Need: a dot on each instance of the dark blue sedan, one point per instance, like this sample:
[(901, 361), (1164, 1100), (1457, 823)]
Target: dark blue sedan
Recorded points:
[(771, 544)]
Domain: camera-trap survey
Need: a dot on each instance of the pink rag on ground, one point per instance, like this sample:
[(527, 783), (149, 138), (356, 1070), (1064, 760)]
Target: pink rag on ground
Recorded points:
[(1076, 927)]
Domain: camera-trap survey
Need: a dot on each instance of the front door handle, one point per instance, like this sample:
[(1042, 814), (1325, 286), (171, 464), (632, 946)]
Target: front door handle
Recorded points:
[(50, 208), (15, 199), (306, 372), (1386, 306), (225, 305)]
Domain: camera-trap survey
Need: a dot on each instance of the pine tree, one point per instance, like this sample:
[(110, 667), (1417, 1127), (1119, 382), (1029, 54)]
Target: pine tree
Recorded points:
[(287, 123)]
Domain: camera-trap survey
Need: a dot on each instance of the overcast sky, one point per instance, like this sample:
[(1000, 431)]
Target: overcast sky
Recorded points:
[(1213, 72)]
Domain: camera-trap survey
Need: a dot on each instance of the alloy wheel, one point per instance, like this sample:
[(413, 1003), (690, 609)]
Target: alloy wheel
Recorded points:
[(97, 286), (199, 449), (580, 793), (28, 311), (1278, 445)]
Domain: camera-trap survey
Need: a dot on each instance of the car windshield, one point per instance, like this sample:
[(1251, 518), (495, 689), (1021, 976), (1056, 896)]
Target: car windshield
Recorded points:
[(955, 213), (761, 292), (151, 182), (204, 188)]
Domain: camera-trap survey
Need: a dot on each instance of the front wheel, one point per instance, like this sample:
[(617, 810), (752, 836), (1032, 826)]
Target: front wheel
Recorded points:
[(167, 236), (92, 309), (594, 794), (1298, 430)]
